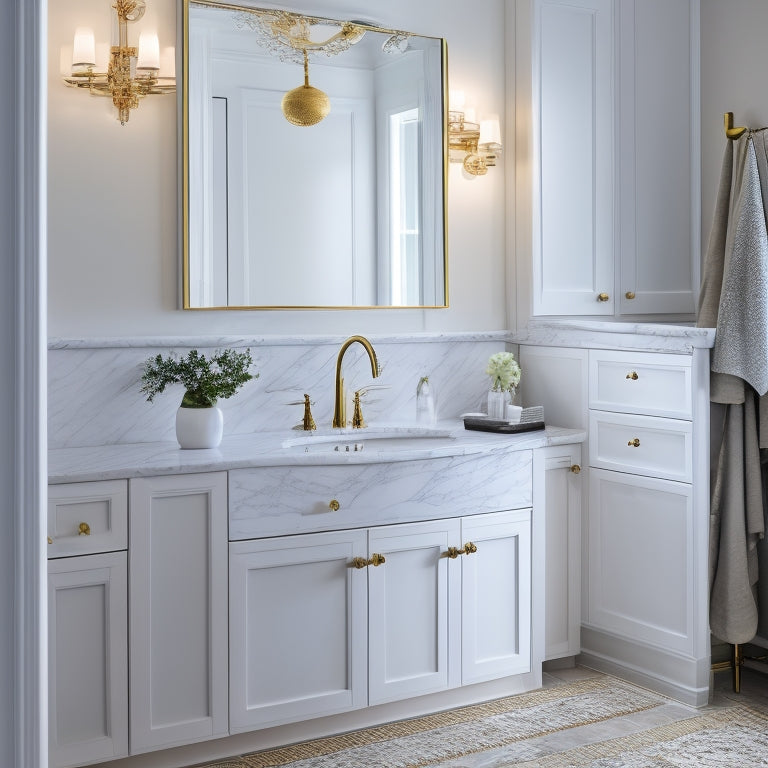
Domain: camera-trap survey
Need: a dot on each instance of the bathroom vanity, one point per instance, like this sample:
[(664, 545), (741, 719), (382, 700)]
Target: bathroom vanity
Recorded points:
[(278, 580)]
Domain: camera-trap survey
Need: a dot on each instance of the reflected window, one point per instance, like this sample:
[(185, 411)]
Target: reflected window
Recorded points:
[(405, 208)]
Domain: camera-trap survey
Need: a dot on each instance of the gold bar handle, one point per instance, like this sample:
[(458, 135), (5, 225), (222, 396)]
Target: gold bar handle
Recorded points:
[(635, 443), (633, 375), (468, 549), (84, 529)]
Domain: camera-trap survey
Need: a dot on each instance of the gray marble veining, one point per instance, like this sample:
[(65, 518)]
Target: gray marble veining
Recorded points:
[(94, 397)]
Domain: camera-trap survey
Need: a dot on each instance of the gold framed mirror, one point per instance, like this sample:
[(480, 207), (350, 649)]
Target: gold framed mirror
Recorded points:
[(314, 154)]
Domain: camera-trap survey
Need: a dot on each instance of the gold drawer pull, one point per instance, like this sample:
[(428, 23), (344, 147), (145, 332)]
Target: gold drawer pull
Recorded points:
[(603, 297), (468, 549), (359, 562), (633, 375), (84, 530), (377, 560), (334, 505), (629, 295), (634, 443), (575, 468), (50, 540)]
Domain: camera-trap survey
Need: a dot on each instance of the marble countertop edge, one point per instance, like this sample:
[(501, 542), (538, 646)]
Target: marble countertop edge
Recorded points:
[(119, 461)]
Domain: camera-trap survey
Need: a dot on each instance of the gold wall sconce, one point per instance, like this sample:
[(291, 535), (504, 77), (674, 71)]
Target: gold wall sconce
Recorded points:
[(476, 145), (132, 72)]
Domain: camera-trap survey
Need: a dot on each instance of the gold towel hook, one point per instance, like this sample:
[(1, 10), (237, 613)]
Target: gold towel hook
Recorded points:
[(731, 132)]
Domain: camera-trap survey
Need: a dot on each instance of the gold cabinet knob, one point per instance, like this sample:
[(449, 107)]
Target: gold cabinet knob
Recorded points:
[(50, 540), (575, 468), (629, 295), (334, 505), (635, 443), (453, 552), (470, 548), (603, 297), (377, 560), (84, 529), (359, 562), (633, 375)]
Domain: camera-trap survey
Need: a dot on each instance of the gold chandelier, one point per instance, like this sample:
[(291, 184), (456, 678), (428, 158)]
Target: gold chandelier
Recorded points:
[(132, 72)]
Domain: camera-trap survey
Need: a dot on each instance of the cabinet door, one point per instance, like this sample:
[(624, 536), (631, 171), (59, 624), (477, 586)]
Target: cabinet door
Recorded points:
[(87, 659), (298, 628), (572, 239), (410, 621), (658, 177), (641, 559), (496, 596), (557, 478), (178, 609)]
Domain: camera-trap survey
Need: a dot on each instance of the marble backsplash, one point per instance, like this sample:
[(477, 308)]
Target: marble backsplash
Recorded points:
[(94, 397)]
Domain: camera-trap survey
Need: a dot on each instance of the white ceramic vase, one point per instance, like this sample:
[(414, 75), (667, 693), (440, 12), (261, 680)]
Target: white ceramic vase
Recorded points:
[(199, 427)]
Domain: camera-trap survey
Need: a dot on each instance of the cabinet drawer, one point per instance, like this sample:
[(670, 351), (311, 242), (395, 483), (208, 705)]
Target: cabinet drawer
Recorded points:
[(640, 382), (84, 518), (641, 445), (273, 501)]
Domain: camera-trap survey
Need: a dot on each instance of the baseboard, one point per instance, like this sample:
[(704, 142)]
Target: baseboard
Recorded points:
[(683, 678)]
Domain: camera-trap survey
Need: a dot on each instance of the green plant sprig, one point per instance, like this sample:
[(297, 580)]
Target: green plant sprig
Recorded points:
[(205, 380)]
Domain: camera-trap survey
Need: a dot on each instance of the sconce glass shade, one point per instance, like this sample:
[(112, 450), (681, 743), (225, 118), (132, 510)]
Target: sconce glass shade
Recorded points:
[(490, 132), (84, 48), (149, 51)]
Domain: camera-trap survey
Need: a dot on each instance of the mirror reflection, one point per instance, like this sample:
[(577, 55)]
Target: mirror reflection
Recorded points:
[(315, 162)]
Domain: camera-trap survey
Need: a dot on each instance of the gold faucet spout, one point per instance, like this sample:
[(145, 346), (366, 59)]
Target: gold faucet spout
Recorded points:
[(340, 405)]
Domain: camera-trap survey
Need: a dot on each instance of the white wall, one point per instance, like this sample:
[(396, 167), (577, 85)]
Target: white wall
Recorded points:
[(113, 259), (733, 79)]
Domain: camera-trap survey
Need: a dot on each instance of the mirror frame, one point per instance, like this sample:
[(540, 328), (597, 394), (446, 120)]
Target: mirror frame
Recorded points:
[(183, 106)]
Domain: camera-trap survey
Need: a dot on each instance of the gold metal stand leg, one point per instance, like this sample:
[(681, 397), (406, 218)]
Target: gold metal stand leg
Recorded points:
[(738, 661)]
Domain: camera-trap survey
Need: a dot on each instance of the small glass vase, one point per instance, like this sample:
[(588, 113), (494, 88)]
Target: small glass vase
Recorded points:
[(497, 403)]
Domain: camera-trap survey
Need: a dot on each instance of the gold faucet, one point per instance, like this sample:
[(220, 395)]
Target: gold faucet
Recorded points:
[(340, 400)]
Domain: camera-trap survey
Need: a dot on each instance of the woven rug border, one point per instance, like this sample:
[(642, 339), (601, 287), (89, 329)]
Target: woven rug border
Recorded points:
[(583, 756), (281, 756)]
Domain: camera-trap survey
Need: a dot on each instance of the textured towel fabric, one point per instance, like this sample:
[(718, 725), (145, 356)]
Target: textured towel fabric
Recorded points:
[(734, 300), (741, 342)]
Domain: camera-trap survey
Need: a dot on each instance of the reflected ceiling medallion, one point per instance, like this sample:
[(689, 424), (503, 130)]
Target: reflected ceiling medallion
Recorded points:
[(305, 105)]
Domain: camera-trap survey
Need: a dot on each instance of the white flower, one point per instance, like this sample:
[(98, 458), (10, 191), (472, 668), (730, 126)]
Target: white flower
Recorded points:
[(503, 370)]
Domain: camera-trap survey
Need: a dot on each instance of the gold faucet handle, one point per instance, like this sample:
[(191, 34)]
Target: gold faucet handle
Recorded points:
[(357, 416), (307, 422)]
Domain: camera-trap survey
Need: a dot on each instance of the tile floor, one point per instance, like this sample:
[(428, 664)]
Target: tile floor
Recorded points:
[(754, 693)]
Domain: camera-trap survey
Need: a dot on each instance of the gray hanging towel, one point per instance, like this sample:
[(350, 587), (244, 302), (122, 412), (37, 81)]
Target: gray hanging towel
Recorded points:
[(734, 300)]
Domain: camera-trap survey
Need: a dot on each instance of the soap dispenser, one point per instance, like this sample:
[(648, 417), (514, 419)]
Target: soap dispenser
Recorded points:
[(426, 409)]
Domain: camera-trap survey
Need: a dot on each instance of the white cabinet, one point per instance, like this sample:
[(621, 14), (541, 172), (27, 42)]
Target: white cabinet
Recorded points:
[(608, 205), (332, 621), (178, 610), (87, 659), (298, 628), (87, 623), (558, 480), (641, 560), (646, 606)]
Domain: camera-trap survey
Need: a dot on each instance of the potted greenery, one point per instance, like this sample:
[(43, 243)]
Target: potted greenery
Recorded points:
[(199, 423)]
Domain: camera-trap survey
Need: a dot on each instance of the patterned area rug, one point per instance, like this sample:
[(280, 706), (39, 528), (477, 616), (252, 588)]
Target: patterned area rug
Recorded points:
[(425, 741), (730, 738)]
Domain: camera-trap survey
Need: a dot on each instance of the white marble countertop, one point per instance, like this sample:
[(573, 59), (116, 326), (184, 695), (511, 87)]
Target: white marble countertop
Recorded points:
[(601, 334), (110, 462)]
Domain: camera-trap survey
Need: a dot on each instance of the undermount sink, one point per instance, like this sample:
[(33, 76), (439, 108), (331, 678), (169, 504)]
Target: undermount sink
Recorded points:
[(403, 439)]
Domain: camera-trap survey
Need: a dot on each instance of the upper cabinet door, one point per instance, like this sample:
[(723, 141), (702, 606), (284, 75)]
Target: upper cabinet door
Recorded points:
[(572, 140), (658, 157)]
